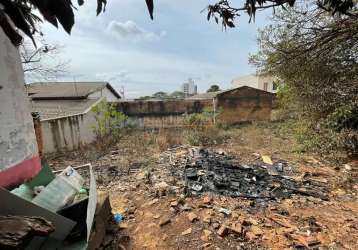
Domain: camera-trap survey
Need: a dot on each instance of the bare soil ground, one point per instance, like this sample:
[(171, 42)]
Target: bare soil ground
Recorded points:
[(160, 214)]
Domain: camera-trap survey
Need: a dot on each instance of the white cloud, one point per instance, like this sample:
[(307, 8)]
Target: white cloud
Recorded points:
[(131, 31), (117, 77)]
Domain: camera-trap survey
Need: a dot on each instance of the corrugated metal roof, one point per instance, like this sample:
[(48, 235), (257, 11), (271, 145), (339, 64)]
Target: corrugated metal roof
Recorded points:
[(66, 90), (50, 109)]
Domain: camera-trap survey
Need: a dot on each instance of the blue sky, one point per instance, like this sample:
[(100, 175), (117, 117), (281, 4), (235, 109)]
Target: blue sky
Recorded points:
[(123, 46)]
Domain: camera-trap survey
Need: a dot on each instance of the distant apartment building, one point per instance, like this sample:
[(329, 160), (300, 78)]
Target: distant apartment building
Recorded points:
[(189, 88), (263, 82)]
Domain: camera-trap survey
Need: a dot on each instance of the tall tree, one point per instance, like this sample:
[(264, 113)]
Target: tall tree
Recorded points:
[(316, 56)]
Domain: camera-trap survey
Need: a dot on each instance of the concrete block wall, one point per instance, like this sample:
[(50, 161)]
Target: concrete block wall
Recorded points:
[(162, 108), (245, 105), (68, 133), (241, 105)]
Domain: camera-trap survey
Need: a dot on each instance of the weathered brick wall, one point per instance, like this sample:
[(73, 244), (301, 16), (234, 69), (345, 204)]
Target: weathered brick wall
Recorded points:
[(245, 105), (162, 108), (236, 106), (161, 114)]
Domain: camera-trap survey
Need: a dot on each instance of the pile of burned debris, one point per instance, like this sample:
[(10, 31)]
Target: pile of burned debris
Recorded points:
[(208, 171)]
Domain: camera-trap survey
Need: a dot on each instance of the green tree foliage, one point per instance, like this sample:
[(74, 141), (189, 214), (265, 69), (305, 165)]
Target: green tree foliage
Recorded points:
[(109, 122), (161, 95), (143, 98), (213, 88), (205, 118), (164, 95), (177, 95), (316, 56), (204, 130)]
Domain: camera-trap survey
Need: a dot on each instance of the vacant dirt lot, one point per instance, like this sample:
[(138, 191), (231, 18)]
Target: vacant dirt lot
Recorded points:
[(146, 174)]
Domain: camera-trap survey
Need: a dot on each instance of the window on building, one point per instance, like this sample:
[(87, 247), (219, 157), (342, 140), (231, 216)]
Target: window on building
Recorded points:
[(265, 86)]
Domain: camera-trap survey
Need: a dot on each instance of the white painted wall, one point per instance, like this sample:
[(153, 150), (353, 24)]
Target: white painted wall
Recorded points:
[(254, 81), (68, 133), (71, 132), (110, 97), (17, 136)]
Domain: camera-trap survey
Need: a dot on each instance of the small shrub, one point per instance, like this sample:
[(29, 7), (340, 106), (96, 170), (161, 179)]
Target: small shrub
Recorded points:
[(109, 125), (203, 128)]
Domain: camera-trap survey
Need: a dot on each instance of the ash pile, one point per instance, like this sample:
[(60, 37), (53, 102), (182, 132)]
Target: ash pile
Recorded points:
[(208, 171)]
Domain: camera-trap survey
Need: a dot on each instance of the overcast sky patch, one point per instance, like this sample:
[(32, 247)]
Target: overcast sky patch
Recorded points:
[(124, 47)]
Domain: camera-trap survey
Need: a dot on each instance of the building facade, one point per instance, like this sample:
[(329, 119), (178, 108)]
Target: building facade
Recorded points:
[(189, 88), (67, 120), (263, 82)]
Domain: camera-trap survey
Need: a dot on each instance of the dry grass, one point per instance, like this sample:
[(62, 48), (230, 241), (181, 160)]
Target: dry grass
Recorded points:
[(264, 138), (166, 138), (247, 141)]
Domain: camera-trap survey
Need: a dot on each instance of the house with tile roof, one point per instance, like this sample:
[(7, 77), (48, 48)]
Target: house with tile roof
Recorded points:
[(65, 111)]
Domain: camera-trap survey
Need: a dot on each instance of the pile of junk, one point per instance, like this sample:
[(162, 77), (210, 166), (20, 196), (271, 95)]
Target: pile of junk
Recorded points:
[(62, 211)]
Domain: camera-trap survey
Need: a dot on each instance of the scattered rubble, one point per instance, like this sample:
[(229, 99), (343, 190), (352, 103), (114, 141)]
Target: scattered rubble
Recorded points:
[(164, 221), (192, 217), (223, 230), (186, 232), (198, 198)]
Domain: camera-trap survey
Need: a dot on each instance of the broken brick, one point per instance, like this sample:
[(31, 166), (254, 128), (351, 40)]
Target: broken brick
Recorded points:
[(186, 232), (236, 228), (223, 230), (256, 230), (192, 217)]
